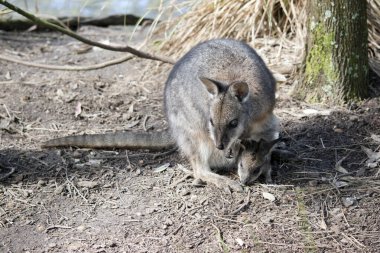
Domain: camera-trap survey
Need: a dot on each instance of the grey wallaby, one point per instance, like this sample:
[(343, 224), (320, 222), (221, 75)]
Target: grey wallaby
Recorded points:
[(255, 160), (218, 93)]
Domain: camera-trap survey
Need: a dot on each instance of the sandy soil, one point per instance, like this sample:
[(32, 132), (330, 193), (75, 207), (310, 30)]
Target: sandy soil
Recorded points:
[(71, 200)]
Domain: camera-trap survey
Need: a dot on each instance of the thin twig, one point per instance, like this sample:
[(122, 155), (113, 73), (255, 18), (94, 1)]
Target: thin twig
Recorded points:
[(66, 67), (246, 203), (222, 244), (144, 122), (57, 226), (85, 40), (182, 179)]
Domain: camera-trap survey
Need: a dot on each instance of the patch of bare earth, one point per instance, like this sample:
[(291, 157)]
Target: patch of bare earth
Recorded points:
[(70, 200)]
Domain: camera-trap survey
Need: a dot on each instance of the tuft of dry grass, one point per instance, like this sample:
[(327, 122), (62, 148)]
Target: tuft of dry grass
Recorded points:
[(248, 20)]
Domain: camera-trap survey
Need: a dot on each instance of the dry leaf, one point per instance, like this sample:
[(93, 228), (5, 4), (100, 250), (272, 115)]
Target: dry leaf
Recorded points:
[(339, 167), (372, 156), (340, 184), (78, 109), (161, 168), (132, 124), (269, 196), (131, 107), (375, 137), (348, 201), (323, 224), (240, 242), (87, 184), (279, 77), (8, 76)]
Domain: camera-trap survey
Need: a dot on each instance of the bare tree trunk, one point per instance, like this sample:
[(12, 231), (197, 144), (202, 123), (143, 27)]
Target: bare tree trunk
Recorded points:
[(336, 64)]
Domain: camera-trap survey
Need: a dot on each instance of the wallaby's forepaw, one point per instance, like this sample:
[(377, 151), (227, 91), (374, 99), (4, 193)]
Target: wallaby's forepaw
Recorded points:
[(268, 179), (197, 182), (229, 185)]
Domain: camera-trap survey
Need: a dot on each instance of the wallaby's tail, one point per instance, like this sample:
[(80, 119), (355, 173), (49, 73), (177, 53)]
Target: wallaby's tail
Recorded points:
[(128, 140)]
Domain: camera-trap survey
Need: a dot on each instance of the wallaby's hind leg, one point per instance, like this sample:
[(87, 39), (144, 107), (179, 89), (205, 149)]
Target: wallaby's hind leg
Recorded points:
[(203, 172), (267, 170), (200, 163), (199, 159)]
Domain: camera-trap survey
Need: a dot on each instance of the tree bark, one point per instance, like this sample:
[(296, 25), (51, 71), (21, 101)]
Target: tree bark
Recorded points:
[(335, 68)]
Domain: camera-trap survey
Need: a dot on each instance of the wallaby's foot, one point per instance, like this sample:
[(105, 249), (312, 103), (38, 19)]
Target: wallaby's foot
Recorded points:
[(267, 170), (228, 185), (268, 179), (198, 182), (221, 182)]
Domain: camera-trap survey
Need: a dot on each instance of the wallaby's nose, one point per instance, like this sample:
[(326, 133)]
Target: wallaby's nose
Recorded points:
[(220, 146)]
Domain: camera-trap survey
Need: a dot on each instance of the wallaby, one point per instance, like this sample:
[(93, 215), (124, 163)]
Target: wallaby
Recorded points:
[(255, 160), (219, 92)]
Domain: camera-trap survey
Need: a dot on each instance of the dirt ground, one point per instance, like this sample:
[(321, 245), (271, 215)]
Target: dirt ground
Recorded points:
[(325, 200)]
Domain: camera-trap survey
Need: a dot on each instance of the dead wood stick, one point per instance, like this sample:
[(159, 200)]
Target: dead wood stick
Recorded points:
[(74, 35), (66, 67), (246, 203), (11, 171)]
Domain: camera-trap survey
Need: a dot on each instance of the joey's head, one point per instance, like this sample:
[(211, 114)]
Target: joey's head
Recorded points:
[(252, 159), (228, 117)]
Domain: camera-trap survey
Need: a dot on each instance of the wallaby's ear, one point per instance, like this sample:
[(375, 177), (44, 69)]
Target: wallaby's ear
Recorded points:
[(212, 86), (239, 90)]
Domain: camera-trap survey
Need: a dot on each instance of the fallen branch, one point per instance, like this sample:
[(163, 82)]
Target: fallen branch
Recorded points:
[(85, 40), (6, 175), (69, 68), (73, 22)]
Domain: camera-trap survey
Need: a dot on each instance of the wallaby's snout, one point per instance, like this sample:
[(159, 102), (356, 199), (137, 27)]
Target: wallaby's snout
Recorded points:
[(221, 140)]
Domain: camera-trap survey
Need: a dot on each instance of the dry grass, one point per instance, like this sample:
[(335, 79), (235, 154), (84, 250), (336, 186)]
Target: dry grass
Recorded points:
[(246, 20)]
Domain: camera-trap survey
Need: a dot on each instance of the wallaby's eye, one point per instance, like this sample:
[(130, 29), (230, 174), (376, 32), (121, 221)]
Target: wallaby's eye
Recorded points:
[(211, 122), (233, 123)]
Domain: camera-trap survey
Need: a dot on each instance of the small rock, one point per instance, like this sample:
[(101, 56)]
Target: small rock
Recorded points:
[(81, 228), (150, 210), (240, 242), (138, 172), (40, 228), (269, 196), (348, 201), (59, 189), (372, 165), (52, 245), (185, 192)]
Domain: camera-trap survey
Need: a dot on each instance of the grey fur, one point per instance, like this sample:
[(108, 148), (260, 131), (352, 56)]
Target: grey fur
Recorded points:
[(191, 101), (219, 93)]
